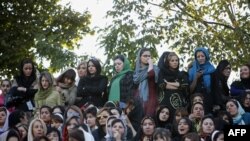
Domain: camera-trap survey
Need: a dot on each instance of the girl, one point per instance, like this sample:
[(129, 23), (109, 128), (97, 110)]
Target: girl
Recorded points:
[(172, 82), (121, 85), (146, 77), (200, 76), (66, 86), (37, 128), (47, 94), (92, 88)]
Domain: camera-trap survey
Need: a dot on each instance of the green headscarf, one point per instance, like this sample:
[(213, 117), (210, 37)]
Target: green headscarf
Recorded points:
[(114, 94)]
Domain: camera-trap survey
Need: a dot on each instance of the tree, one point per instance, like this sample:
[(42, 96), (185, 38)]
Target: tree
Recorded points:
[(181, 25), (41, 30)]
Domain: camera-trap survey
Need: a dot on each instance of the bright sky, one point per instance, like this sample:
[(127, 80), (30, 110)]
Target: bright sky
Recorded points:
[(98, 9)]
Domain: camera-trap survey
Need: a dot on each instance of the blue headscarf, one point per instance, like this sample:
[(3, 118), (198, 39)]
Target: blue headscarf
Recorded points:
[(207, 69)]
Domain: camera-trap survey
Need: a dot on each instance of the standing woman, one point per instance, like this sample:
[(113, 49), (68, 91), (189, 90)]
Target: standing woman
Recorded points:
[(25, 86), (146, 77), (200, 76), (121, 85), (81, 70), (47, 94), (220, 89), (172, 82), (92, 88)]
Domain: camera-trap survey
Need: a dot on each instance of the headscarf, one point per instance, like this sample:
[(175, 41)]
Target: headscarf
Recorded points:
[(6, 123), (30, 130), (237, 120), (140, 77), (114, 94), (207, 69)]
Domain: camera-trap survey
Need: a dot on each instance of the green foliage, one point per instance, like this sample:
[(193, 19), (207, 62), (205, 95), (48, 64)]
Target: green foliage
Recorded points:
[(181, 25), (41, 30)]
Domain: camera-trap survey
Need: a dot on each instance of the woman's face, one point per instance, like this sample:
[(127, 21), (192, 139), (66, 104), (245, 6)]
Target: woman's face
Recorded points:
[(198, 111), (82, 70), (148, 127), (45, 115), (5, 87), (3, 116), (146, 55), (45, 83), (178, 116), (37, 129), (118, 127), (72, 124), (208, 126), (91, 68), (27, 69), (23, 132), (53, 136), (183, 127), (119, 65), (109, 127), (232, 108), (246, 102), (91, 120), (244, 72), (227, 71), (174, 62), (201, 58), (67, 81), (164, 114), (197, 99), (102, 118)]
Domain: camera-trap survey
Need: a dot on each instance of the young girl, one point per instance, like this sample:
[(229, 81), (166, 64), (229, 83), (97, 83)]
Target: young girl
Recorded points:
[(173, 83), (92, 88), (200, 77), (146, 77), (66, 86)]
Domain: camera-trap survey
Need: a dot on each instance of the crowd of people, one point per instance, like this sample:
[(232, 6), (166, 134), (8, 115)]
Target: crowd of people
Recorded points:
[(153, 102)]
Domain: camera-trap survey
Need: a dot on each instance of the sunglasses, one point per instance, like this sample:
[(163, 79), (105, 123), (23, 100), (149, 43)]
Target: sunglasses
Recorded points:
[(99, 117)]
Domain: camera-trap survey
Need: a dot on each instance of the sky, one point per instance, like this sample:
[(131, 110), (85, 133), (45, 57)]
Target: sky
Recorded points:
[(98, 9)]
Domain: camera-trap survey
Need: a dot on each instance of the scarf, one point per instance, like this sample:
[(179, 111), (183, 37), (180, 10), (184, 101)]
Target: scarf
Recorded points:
[(140, 77), (43, 94), (114, 94), (207, 69), (237, 120)]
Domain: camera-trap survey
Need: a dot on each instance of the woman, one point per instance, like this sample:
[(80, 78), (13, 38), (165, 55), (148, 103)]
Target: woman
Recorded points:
[(146, 77), (45, 114), (66, 87), (121, 85), (220, 89), (184, 127), (92, 88), (47, 94), (37, 128), (118, 131), (4, 124), (238, 88), (81, 70), (207, 128), (145, 132), (24, 87), (240, 117), (163, 117), (161, 134), (197, 113), (53, 134), (200, 76), (4, 90), (172, 82), (246, 102)]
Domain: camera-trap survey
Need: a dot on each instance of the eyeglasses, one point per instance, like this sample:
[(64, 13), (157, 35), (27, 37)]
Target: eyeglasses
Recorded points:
[(99, 117)]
